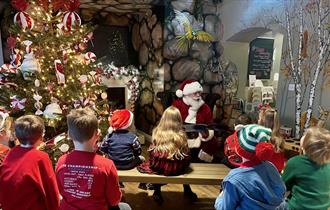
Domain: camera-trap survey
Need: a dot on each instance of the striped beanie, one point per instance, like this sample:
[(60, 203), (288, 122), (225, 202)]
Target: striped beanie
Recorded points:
[(253, 142)]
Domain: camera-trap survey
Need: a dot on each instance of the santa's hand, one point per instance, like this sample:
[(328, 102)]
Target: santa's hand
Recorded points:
[(206, 135)]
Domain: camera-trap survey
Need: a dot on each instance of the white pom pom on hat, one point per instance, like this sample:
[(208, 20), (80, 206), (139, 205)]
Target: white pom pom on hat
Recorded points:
[(187, 87)]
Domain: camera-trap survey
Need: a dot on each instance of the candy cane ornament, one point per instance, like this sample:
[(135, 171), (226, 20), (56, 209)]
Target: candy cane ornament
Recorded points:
[(59, 72)]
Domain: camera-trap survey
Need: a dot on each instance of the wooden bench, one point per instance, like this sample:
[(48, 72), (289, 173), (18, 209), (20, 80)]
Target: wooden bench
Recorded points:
[(199, 174)]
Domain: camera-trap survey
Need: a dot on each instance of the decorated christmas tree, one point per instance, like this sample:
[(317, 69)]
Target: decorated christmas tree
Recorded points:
[(50, 71)]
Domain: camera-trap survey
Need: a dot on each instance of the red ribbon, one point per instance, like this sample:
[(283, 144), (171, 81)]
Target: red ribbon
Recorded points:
[(72, 5), (11, 42), (20, 5)]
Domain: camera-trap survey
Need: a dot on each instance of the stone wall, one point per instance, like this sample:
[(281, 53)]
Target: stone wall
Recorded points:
[(147, 39), (158, 45)]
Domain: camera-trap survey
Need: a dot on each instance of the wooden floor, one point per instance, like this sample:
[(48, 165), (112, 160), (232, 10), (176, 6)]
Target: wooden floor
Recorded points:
[(173, 196)]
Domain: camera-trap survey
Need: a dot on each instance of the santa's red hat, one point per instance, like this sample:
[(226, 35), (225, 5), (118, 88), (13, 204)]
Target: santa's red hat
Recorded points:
[(187, 87), (120, 119)]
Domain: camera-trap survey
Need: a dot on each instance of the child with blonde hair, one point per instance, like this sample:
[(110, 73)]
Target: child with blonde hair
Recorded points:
[(169, 152), (307, 176), (269, 118), (6, 124)]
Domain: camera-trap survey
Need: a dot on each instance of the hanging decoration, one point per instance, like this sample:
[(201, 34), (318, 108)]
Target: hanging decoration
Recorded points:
[(17, 103), (59, 72), (38, 105), (23, 20)]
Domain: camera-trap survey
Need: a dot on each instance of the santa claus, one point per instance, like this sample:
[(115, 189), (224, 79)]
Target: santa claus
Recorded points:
[(195, 111)]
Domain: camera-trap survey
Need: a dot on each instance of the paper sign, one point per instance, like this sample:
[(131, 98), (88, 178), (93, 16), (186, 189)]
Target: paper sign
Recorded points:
[(291, 87), (252, 80), (276, 75)]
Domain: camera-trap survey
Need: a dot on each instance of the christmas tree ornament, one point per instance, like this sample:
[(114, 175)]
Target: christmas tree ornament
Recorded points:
[(7, 69), (30, 67), (65, 56), (64, 148), (83, 79), (71, 20), (38, 105), (83, 102), (15, 58), (82, 46), (37, 83), (89, 58), (59, 72), (23, 20), (52, 110), (17, 103), (28, 44), (104, 95)]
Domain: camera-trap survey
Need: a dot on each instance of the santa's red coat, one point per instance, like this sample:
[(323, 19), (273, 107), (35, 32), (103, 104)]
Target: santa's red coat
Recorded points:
[(204, 114)]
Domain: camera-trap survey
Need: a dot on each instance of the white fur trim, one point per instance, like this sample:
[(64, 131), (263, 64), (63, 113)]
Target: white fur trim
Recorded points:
[(191, 117), (110, 129), (179, 93), (205, 157), (238, 127), (192, 88), (211, 135), (194, 143)]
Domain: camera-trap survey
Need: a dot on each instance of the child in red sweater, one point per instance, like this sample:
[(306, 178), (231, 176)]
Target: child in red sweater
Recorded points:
[(87, 180), (27, 178)]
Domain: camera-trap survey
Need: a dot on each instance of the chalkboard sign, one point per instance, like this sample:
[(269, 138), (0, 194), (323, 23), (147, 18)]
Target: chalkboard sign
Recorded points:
[(261, 58)]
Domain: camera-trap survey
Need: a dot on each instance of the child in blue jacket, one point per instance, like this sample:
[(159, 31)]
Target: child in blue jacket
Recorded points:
[(256, 184)]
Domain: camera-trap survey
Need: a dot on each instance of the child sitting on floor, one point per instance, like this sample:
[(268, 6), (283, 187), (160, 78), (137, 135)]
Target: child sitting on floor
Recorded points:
[(231, 158), (307, 176), (169, 152), (256, 184), (268, 117), (27, 178), (122, 146), (87, 180)]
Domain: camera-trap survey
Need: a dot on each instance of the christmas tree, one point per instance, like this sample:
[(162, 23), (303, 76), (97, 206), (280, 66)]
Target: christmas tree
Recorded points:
[(50, 72)]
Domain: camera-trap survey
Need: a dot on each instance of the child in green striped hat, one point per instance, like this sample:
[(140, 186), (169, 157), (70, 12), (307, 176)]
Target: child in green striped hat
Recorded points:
[(256, 184)]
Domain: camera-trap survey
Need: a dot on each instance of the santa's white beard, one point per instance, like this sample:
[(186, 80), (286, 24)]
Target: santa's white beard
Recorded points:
[(194, 104)]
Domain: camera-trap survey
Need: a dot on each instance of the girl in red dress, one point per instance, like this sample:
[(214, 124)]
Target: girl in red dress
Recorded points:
[(169, 152)]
